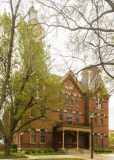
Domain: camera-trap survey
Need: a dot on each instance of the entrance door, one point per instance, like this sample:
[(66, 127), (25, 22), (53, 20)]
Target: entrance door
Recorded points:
[(74, 141), (84, 140), (69, 141)]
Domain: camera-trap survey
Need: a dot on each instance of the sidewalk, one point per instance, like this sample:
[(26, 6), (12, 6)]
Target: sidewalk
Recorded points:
[(86, 157)]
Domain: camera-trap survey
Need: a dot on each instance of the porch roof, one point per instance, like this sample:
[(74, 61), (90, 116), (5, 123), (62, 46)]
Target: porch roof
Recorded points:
[(84, 127)]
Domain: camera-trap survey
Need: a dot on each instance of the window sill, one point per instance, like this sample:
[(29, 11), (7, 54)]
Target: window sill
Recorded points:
[(42, 143), (77, 106), (33, 143), (99, 109)]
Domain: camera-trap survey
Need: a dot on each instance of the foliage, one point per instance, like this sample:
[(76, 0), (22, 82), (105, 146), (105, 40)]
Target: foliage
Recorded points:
[(100, 151), (13, 150), (27, 151), (111, 140), (50, 150), (14, 146), (28, 84), (45, 151), (39, 151), (33, 151)]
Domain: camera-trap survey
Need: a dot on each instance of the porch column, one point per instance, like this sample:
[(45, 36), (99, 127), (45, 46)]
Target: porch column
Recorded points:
[(90, 140), (77, 140), (63, 141)]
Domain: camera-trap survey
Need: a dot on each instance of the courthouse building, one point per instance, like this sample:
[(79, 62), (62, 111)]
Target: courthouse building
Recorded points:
[(71, 125)]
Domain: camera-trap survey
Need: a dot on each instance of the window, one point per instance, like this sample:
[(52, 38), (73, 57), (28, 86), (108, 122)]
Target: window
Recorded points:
[(42, 135), (32, 112), (98, 103), (42, 111), (95, 138), (101, 119), (60, 97), (66, 98), (95, 118), (77, 100), (33, 136), (71, 99), (69, 117), (101, 139), (61, 115), (77, 117)]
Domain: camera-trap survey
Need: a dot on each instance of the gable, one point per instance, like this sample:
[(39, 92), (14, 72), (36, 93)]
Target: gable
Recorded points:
[(71, 83)]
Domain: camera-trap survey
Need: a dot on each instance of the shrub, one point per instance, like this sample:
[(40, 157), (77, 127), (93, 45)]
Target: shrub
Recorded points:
[(39, 151), (106, 151), (50, 150), (13, 150), (27, 151), (110, 151), (33, 151), (14, 146), (45, 151)]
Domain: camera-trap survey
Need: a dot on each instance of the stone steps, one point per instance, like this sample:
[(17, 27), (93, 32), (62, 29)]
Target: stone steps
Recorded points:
[(75, 151)]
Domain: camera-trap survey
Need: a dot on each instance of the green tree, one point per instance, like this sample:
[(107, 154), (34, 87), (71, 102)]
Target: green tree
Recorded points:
[(30, 86), (111, 140)]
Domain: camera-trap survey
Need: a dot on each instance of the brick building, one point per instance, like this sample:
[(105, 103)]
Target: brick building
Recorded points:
[(71, 126)]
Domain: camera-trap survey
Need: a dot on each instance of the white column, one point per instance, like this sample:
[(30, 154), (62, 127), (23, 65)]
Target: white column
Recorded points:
[(63, 141), (77, 140)]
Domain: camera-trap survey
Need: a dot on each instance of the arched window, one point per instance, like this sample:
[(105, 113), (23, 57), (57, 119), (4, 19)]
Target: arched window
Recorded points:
[(69, 117), (42, 136), (95, 118), (77, 100), (95, 138), (61, 115), (71, 99), (33, 135), (77, 117)]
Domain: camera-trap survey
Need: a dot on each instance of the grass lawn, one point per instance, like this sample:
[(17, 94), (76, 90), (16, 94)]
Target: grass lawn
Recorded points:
[(23, 157)]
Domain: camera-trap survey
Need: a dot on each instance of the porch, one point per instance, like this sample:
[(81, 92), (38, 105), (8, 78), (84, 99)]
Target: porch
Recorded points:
[(72, 136)]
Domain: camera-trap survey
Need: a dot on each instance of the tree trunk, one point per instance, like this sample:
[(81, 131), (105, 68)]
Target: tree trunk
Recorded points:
[(7, 146)]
